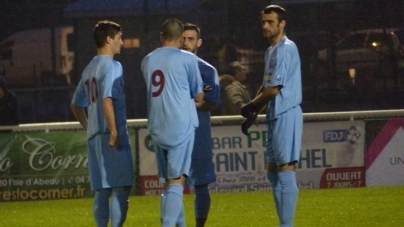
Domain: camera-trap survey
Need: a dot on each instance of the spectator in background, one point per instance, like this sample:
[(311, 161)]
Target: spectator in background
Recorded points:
[(9, 107), (234, 95)]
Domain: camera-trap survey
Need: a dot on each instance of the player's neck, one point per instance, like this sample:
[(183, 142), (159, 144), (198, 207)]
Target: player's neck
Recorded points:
[(275, 40), (177, 43), (171, 44), (105, 51)]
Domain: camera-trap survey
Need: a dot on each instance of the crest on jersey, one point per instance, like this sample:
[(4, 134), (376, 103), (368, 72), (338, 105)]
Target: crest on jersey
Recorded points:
[(271, 64)]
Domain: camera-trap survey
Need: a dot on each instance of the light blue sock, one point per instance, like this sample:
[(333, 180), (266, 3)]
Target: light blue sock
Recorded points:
[(172, 205), (119, 205), (287, 180), (181, 219), (202, 201), (276, 190), (101, 207)]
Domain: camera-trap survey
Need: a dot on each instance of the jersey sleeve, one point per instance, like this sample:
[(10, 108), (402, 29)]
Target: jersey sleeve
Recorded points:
[(107, 81), (275, 67), (211, 87), (194, 77), (79, 96)]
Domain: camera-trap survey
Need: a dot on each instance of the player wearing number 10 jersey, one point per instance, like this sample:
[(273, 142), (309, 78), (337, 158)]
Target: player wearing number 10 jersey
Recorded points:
[(174, 84), (101, 90)]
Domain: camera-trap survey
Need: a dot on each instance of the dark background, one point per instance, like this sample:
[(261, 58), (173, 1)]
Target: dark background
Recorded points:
[(313, 26)]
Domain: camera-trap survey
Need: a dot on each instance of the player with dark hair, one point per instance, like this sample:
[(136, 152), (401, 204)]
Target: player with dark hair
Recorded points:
[(101, 90), (174, 84), (202, 168), (281, 91)]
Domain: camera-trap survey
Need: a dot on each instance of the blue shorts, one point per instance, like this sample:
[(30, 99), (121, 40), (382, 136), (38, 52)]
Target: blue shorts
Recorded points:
[(175, 162), (202, 172), (109, 167), (285, 137)]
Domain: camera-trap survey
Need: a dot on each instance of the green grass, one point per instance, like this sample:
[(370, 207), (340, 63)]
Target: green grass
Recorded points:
[(356, 207)]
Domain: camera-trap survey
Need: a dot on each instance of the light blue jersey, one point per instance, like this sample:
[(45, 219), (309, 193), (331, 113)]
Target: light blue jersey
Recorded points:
[(172, 78), (203, 141), (282, 68), (284, 114), (101, 79), (109, 167)]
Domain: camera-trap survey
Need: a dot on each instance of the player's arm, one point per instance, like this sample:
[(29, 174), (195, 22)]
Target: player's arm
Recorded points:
[(211, 91), (108, 110), (80, 115), (260, 91), (199, 97), (252, 109), (264, 96)]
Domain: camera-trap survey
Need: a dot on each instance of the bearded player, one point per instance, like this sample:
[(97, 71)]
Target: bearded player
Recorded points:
[(202, 169), (281, 92)]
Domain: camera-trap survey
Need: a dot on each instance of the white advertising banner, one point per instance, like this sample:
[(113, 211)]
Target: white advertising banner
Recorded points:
[(385, 154), (332, 155)]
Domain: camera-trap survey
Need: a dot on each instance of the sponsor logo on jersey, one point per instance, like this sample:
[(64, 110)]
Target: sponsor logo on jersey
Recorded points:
[(268, 77)]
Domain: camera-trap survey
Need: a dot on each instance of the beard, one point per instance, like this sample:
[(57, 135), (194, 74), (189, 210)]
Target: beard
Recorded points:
[(271, 35)]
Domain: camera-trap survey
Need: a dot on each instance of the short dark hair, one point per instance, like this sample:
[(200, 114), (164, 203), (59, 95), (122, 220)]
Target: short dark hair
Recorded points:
[(281, 12), (194, 27), (172, 29), (103, 29)]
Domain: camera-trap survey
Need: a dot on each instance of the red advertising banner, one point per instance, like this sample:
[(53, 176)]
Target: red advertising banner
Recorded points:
[(343, 178)]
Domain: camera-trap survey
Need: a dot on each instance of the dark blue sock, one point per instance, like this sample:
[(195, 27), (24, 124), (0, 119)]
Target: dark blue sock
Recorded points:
[(119, 205), (101, 206), (202, 201)]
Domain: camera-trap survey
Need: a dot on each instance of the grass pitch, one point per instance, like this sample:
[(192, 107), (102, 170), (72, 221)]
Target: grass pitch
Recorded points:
[(353, 207)]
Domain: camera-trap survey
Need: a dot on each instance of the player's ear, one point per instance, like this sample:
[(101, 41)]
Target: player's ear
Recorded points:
[(108, 40), (199, 43), (282, 24), (161, 37)]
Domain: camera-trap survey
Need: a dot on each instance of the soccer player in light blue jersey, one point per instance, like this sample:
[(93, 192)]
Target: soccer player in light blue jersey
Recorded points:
[(281, 91), (174, 84), (101, 90), (202, 168)]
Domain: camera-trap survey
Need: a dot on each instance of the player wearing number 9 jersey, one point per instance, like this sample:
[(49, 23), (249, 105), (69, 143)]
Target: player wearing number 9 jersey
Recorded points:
[(174, 84), (101, 90)]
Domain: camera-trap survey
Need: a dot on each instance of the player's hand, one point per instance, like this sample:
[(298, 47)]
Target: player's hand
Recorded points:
[(245, 125), (113, 140), (248, 111)]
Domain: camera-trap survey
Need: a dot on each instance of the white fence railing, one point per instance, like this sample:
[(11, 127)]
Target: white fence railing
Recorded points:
[(308, 117)]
